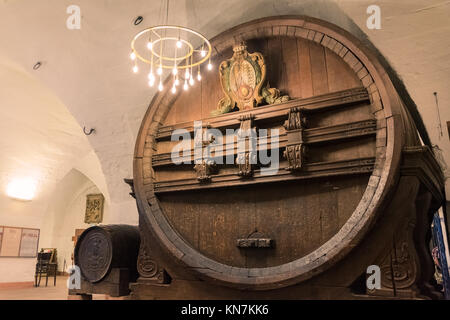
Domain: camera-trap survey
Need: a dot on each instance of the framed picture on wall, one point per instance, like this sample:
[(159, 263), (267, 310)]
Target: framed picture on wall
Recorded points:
[(16, 242), (11, 242), (94, 208), (29, 243)]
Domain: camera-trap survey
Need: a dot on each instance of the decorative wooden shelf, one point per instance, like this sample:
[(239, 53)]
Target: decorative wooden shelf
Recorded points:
[(311, 136), (310, 170), (309, 105), (290, 119)]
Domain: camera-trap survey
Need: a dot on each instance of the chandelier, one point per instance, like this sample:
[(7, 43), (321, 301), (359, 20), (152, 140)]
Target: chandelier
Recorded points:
[(179, 49)]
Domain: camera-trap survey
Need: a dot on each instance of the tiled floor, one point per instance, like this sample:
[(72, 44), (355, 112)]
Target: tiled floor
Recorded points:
[(58, 292)]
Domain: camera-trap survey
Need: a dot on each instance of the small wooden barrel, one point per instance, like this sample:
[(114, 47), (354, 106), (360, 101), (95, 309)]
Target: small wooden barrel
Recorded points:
[(101, 248)]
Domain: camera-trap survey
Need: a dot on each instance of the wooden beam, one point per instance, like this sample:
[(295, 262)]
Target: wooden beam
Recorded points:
[(324, 134), (310, 105), (310, 171)]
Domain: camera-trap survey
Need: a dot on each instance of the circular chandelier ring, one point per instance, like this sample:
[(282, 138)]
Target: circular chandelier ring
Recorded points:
[(188, 44), (165, 27)]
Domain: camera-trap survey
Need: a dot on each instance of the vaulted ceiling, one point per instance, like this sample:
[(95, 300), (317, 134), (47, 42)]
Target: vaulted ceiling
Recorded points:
[(86, 79), (40, 140)]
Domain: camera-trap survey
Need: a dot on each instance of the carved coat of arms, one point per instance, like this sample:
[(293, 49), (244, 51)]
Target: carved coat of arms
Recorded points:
[(244, 83), (94, 208)]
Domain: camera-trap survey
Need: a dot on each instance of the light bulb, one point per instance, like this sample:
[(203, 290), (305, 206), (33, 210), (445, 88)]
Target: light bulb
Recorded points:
[(159, 71), (135, 69), (209, 66), (185, 86), (174, 70), (177, 82), (149, 45), (199, 77), (160, 86), (191, 81), (151, 76), (186, 74), (174, 89), (178, 44), (132, 56), (151, 83), (203, 53)]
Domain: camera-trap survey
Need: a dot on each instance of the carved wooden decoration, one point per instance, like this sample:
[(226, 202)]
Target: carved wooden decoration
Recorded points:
[(94, 208), (243, 80), (246, 153), (147, 266), (131, 184), (205, 166), (295, 148)]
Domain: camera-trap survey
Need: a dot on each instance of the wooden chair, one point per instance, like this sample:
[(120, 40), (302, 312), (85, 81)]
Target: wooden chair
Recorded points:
[(45, 267)]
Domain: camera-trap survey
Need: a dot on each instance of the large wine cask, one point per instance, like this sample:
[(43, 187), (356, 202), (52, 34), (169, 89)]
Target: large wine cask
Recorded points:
[(353, 185)]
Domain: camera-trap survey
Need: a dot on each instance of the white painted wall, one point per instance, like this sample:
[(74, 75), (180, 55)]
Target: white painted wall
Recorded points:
[(57, 222), (39, 138), (16, 213), (66, 214), (17, 270), (57, 215)]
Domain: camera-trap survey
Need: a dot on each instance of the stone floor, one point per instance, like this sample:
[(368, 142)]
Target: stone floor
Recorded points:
[(58, 292)]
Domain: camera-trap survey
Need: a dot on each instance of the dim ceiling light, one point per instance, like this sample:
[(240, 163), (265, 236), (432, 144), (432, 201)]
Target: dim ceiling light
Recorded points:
[(22, 189)]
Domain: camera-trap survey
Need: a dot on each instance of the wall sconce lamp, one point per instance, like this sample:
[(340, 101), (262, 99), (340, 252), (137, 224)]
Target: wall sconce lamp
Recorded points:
[(21, 189)]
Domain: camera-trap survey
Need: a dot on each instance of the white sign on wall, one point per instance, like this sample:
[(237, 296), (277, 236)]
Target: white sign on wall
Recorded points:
[(29, 243), (18, 242), (10, 242)]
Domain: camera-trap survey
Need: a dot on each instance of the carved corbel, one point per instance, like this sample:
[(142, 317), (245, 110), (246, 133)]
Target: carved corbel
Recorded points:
[(148, 268), (247, 142), (130, 182), (295, 148), (205, 166), (398, 267), (204, 169), (407, 267)]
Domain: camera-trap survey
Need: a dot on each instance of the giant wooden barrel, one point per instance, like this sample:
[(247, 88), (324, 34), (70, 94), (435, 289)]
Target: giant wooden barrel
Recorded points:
[(342, 134), (102, 248)]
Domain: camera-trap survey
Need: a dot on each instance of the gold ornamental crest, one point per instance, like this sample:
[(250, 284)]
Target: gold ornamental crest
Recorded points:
[(244, 83)]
